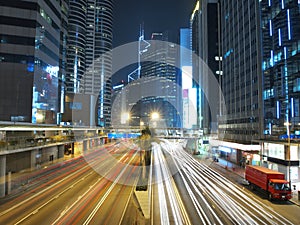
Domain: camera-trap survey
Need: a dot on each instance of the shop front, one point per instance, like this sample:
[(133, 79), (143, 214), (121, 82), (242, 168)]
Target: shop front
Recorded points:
[(239, 154), (282, 157)]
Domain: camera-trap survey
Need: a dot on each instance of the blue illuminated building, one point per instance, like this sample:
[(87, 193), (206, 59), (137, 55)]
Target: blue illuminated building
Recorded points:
[(280, 26), (280, 30)]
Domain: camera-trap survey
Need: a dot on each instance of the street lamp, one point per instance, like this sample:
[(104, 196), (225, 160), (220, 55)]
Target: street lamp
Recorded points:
[(125, 116), (287, 124), (154, 115), (142, 123)]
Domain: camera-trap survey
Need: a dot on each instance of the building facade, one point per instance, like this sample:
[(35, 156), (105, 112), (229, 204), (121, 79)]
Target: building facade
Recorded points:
[(63, 57), (240, 119), (159, 67), (280, 29), (281, 66), (205, 48), (31, 58), (89, 61), (188, 105)]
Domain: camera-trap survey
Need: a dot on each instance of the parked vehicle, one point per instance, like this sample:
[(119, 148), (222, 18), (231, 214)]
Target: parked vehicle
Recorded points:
[(215, 159), (271, 181)]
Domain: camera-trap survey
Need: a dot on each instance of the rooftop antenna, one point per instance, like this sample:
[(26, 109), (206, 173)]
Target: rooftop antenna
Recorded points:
[(136, 74)]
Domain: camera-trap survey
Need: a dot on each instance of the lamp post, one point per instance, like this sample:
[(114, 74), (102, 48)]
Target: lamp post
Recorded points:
[(154, 117), (289, 149), (125, 116)]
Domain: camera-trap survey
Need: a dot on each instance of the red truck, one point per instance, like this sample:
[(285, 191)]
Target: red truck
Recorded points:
[(271, 181)]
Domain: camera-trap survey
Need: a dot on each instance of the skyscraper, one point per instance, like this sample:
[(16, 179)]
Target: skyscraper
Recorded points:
[(31, 60), (188, 105), (241, 80), (280, 28), (159, 61), (205, 46), (63, 57), (281, 71), (76, 46), (89, 64)]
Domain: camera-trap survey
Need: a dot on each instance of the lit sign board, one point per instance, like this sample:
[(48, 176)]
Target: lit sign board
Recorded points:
[(275, 150), (225, 149), (123, 135)]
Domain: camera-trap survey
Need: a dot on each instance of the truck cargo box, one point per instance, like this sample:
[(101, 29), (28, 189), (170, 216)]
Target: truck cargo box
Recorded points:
[(260, 176)]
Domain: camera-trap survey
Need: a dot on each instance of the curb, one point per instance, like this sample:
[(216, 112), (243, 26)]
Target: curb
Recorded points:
[(294, 202)]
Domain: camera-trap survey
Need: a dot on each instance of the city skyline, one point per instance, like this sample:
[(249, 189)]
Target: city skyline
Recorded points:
[(212, 100), (130, 16)]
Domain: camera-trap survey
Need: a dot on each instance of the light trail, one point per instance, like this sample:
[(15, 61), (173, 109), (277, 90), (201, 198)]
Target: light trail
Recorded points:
[(170, 190), (208, 189), (236, 191), (71, 209), (163, 209), (62, 214), (53, 198), (94, 162), (97, 207), (42, 191), (204, 216)]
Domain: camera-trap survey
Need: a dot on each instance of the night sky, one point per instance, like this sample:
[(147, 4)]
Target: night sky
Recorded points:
[(156, 15)]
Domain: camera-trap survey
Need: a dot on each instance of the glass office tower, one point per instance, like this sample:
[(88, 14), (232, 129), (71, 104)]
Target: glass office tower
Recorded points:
[(158, 62), (281, 66), (204, 26), (188, 94), (241, 79), (240, 120), (89, 69), (31, 60), (280, 29)]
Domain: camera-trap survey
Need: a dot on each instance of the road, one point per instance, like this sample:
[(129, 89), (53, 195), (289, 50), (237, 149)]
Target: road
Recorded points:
[(99, 188), (211, 198), (79, 195)]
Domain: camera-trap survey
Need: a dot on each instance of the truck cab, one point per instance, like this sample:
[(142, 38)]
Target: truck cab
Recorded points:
[(279, 189)]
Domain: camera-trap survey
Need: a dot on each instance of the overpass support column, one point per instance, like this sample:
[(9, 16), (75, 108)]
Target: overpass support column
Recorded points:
[(61, 151), (86, 145), (2, 175), (33, 159)]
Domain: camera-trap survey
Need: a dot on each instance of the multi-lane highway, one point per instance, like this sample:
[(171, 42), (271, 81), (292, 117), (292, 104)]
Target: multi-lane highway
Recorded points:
[(79, 195), (100, 187), (210, 198)]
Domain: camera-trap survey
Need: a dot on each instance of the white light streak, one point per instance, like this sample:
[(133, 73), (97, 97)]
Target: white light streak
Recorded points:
[(209, 190)]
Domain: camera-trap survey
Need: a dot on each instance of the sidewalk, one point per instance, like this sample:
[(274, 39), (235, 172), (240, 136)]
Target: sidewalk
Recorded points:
[(241, 172)]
